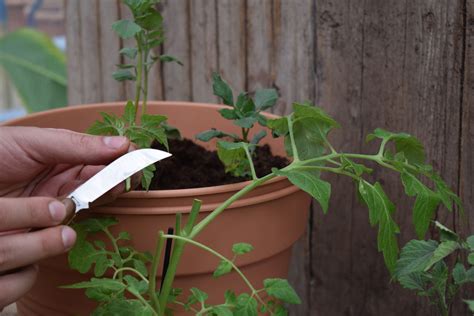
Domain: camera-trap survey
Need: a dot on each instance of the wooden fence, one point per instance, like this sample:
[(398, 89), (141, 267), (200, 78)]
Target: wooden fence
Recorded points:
[(402, 65)]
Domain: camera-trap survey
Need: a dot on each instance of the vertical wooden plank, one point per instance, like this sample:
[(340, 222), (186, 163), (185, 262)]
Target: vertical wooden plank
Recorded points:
[(338, 89), (381, 64), (74, 49), (177, 79), (293, 77), (90, 60), (155, 81), (109, 51), (203, 49), (466, 172), (231, 42), (293, 52), (259, 44)]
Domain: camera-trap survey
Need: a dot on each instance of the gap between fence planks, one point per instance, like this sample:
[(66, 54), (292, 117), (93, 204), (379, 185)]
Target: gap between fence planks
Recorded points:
[(402, 65)]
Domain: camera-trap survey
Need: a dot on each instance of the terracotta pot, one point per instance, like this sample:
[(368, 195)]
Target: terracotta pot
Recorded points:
[(271, 218)]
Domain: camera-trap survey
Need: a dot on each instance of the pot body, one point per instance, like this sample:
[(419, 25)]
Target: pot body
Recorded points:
[(271, 218)]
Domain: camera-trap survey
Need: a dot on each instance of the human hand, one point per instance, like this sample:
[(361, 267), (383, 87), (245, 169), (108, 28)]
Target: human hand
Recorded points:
[(37, 166)]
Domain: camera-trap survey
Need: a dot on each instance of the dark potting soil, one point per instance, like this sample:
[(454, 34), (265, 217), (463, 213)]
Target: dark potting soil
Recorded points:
[(193, 166)]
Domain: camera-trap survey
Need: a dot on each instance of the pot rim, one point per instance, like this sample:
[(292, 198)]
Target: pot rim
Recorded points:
[(153, 194)]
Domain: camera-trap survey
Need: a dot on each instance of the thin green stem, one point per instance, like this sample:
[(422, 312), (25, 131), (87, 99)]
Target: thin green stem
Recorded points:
[(139, 67), (218, 255), (143, 300), (117, 271), (245, 134), (296, 157), (209, 218), (252, 167), (333, 170), (117, 251), (170, 274), (154, 270), (146, 70)]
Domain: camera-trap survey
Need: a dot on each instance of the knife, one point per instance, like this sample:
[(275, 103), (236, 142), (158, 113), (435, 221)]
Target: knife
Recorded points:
[(116, 172)]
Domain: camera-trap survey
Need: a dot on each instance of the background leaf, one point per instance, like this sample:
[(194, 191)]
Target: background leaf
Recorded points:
[(36, 67)]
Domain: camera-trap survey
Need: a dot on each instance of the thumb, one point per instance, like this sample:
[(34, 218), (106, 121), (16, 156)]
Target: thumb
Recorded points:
[(59, 146)]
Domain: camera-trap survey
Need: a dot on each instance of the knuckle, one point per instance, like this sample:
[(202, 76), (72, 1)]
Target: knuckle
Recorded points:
[(37, 210), (80, 140)]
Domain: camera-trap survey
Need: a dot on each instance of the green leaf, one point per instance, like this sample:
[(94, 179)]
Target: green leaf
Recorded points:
[(258, 137), (129, 113), (380, 212), (470, 259), (135, 286), (171, 131), (101, 265), (223, 268), (140, 267), (246, 306), (241, 248), (97, 224), (414, 281), (245, 105), (470, 304), (123, 75), (265, 98), (213, 133), (222, 89), (459, 274), (426, 202), (36, 67), (151, 20), (221, 310), (354, 167), (311, 126), (470, 242), (311, 184), (411, 147), (443, 250), (415, 257), (278, 126), (230, 297), (169, 59), (282, 290), (147, 176), (246, 122), (199, 295), (126, 28), (108, 284), (446, 233), (130, 52), (228, 114), (111, 125), (122, 307), (233, 157)]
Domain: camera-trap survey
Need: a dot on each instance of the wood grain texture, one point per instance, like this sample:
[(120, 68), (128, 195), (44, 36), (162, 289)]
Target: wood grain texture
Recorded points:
[(232, 42), (74, 52), (204, 58), (177, 79), (90, 52), (259, 44), (109, 47)]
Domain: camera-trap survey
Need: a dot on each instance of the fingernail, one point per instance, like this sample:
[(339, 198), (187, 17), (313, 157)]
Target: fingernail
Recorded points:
[(69, 237), (57, 211), (114, 142)]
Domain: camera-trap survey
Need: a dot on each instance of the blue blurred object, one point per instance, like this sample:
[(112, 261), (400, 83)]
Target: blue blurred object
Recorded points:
[(3, 13), (31, 20), (11, 114)]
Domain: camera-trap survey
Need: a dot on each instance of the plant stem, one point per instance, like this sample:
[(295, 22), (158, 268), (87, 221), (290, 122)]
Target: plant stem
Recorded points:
[(245, 134), (252, 167), (209, 218), (170, 274), (141, 299), (296, 157), (139, 67), (117, 271), (215, 253), (145, 80), (117, 251), (154, 271)]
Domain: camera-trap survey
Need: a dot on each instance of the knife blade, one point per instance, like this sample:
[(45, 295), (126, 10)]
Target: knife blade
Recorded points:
[(116, 172)]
